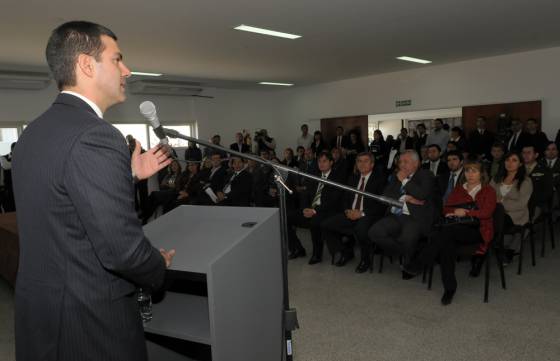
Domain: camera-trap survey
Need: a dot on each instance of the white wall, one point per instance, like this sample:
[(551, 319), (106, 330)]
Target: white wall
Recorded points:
[(229, 111), (502, 79), (517, 77)]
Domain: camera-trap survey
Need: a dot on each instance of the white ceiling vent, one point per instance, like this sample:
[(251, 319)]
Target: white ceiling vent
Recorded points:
[(164, 87), (24, 80)]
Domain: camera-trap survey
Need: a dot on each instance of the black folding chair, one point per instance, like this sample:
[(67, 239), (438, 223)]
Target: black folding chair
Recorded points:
[(496, 246)]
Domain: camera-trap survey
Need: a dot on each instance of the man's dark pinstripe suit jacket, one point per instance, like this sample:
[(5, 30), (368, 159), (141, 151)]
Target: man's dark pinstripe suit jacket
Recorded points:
[(82, 249)]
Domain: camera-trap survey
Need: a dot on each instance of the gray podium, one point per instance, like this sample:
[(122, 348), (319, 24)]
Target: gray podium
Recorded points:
[(226, 296)]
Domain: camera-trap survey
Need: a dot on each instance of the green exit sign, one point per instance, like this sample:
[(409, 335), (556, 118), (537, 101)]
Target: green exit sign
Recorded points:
[(403, 103)]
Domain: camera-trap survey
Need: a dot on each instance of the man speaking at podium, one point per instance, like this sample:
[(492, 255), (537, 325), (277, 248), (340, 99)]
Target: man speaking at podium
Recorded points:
[(82, 249)]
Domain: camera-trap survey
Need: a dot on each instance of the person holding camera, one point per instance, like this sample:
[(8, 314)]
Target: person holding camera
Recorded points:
[(263, 141)]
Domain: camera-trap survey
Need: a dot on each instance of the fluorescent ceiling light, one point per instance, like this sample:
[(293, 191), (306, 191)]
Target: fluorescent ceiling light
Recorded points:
[(414, 60), (253, 29), (270, 83), (145, 74)]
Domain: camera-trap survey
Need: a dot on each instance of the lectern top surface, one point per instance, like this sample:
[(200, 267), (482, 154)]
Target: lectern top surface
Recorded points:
[(200, 234)]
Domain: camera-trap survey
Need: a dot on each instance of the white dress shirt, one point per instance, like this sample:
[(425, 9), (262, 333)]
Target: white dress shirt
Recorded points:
[(93, 106)]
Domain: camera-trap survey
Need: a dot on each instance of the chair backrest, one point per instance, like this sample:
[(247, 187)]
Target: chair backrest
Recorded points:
[(498, 217)]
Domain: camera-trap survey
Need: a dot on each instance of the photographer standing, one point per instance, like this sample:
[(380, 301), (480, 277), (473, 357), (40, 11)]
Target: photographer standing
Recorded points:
[(263, 141)]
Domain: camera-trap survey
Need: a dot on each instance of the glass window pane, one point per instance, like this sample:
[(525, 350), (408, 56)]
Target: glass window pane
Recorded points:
[(7, 137), (138, 131), (183, 129)]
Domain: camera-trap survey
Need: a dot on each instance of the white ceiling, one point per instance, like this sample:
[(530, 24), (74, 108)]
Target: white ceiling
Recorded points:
[(341, 39)]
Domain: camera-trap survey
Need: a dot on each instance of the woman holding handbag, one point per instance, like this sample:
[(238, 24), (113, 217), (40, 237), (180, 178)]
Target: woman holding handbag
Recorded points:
[(468, 220)]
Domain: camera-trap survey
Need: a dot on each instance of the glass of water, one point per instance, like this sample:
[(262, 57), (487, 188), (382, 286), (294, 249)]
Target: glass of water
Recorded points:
[(145, 305)]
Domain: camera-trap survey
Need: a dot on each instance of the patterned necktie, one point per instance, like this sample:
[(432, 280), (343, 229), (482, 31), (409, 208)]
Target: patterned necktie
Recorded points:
[(317, 199), (358, 202)]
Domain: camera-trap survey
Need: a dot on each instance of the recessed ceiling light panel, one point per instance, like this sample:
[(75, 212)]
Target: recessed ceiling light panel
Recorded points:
[(272, 83), (414, 60), (279, 34)]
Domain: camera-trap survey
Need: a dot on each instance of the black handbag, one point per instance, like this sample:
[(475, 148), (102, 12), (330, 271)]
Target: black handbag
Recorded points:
[(466, 221)]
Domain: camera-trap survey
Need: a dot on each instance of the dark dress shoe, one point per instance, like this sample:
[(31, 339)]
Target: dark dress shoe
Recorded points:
[(447, 297), (343, 260), (476, 265), (296, 254), (408, 276), (314, 260), (362, 267)]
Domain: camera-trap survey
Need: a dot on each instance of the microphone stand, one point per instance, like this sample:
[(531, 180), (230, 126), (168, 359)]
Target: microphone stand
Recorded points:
[(289, 316)]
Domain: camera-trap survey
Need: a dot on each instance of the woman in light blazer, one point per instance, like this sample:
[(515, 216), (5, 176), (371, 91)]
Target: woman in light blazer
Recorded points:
[(513, 190)]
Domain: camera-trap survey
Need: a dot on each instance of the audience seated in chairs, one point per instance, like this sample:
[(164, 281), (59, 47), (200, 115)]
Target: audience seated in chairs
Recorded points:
[(513, 189), (402, 228), (341, 230), (468, 211), (319, 202)]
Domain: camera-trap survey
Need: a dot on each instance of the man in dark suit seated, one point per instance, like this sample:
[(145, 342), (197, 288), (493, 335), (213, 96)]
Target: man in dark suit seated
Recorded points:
[(237, 190), (454, 175), (359, 213), (541, 176), (239, 145), (436, 165), (215, 178), (401, 229), (321, 202)]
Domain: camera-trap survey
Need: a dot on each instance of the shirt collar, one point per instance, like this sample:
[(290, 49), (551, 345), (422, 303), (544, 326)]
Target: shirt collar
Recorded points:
[(326, 175), (89, 102)]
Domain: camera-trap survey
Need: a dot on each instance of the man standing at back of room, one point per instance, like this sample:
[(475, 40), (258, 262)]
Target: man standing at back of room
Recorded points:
[(82, 249)]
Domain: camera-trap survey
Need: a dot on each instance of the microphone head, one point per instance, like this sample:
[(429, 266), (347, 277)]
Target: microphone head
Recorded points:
[(148, 110)]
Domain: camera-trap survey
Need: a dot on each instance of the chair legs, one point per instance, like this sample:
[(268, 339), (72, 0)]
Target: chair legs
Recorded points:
[(430, 277), (551, 228), (499, 259), (487, 259)]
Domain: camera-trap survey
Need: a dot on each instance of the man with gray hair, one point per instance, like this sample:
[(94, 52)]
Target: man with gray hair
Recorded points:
[(401, 229)]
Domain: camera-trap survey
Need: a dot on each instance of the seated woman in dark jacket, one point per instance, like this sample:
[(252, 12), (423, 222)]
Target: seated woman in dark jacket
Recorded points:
[(475, 198)]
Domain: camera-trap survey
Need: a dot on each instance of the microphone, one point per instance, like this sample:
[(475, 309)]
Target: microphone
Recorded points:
[(148, 110)]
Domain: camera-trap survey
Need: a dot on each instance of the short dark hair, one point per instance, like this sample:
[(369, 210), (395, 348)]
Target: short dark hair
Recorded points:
[(70, 40), (435, 146), (455, 153), (532, 120), (499, 145), (530, 146), (438, 120), (325, 154), (304, 125), (366, 154), (421, 125)]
